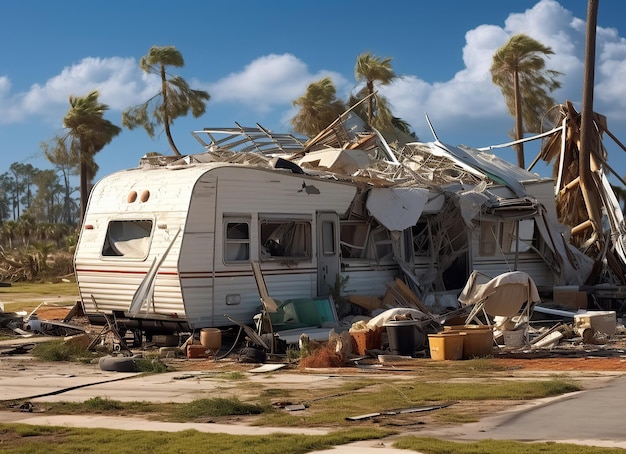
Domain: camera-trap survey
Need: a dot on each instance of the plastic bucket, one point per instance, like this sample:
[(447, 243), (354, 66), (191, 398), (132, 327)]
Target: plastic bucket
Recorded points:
[(404, 336), (446, 345), (364, 340), (478, 340), (211, 338)]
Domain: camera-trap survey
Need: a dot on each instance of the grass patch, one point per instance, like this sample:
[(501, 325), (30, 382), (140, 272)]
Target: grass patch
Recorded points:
[(47, 288), (31, 294), (101, 406), (150, 364), (272, 393), (21, 439), (177, 412), (215, 407), (235, 375), (381, 397), (334, 407), (59, 350), (486, 364), (436, 446)]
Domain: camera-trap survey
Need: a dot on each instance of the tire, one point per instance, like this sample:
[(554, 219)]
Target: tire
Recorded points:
[(117, 364), (252, 355)]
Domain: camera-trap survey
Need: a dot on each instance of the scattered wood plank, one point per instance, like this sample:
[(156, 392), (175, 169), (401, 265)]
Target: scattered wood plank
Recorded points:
[(400, 411)]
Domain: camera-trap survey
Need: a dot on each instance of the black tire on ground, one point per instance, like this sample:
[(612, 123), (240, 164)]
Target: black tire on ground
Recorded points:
[(117, 364)]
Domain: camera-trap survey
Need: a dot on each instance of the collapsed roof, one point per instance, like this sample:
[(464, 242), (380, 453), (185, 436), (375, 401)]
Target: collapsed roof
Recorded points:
[(473, 180)]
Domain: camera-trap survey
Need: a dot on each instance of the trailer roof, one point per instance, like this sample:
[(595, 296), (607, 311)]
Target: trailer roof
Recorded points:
[(249, 139)]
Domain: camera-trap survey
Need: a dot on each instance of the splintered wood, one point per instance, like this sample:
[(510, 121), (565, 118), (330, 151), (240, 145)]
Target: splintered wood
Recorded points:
[(400, 295)]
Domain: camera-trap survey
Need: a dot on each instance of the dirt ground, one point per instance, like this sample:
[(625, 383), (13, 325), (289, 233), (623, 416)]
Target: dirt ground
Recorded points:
[(606, 355)]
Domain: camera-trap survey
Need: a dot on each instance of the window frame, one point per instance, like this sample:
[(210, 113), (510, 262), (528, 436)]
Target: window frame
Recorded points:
[(269, 219), (104, 255), (238, 219)]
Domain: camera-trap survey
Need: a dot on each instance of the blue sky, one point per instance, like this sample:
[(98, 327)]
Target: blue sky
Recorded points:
[(254, 58)]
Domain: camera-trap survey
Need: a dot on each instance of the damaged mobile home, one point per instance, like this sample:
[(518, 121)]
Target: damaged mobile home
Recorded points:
[(168, 246)]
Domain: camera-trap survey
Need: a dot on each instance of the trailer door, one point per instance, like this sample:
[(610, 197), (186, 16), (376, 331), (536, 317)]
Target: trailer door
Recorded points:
[(328, 266)]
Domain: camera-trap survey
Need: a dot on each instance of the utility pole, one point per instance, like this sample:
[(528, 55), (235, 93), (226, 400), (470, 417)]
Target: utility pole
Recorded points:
[(587, 185)]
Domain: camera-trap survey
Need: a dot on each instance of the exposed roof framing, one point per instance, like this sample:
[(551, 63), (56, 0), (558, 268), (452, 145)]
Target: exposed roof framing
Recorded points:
[(249, 140)]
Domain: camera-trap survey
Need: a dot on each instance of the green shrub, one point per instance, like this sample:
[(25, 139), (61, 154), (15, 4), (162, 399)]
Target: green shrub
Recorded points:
[(59, 350)]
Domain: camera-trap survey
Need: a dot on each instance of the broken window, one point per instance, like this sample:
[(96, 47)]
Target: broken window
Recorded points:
[(362, 240), (380, 244), (128, 238), (354, 235), (237, 239), (421, 239), (500, 236), (285, 239)]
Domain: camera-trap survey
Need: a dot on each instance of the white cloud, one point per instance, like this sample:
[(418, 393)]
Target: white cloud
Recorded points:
[(269, 81), (119, 80), (470, 96)]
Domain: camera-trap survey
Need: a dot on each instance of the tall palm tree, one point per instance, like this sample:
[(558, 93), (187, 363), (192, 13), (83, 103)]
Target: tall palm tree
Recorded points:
[(372, 69), (518, 68), (88, 133), (177, 99), (318, 108)]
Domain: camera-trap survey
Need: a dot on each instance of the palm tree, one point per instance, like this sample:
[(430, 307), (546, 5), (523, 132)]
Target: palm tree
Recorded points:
[(518, 68), (318, 108), (26, 228), (88, 133), (42, 251), (63, 160), (175, 95), (9, 230), (372, 69)]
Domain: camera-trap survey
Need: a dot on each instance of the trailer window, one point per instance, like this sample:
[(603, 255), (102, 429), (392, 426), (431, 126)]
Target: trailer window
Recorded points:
[(128, 239), (237, 240), (500, 236), (285, 240)]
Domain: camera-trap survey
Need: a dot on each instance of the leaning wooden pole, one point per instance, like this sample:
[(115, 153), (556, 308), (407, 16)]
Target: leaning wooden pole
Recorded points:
[(587, 134)]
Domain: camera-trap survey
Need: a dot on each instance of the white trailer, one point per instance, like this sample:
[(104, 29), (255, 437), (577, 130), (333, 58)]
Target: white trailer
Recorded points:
[(169, 247)]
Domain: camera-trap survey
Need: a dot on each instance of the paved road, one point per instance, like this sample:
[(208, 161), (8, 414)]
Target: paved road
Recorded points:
[(593, 417)]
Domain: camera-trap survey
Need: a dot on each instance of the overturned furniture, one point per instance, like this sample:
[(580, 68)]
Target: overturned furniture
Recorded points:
[(509, 298)]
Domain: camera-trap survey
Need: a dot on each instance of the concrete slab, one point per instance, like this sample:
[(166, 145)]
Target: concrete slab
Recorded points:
[(24, 378)]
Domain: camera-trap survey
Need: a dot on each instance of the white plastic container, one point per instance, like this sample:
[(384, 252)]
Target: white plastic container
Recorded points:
[(600, 321)]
